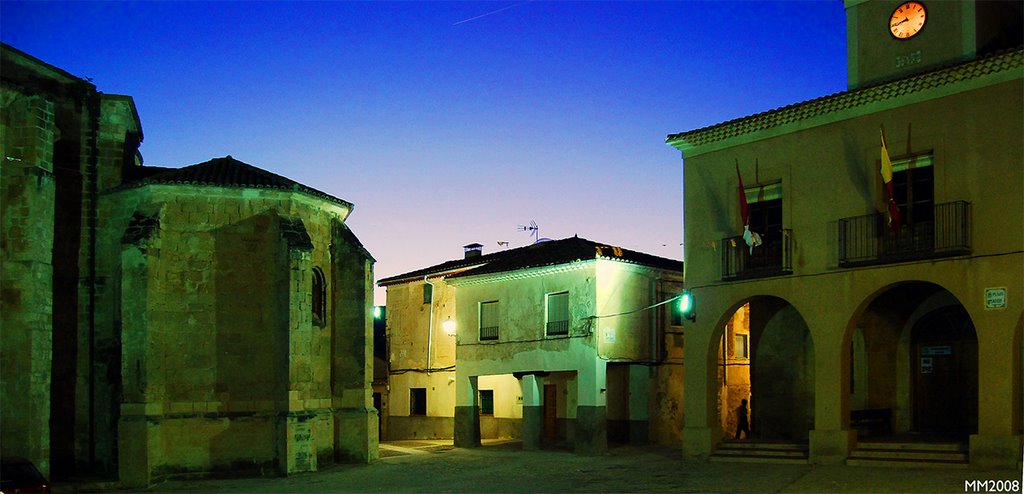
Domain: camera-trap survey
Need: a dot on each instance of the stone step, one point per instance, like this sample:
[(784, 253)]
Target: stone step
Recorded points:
[(783, 453), (760, 452), (958, 447), (753, 458), (909, 455), (905, 463), (757, 445), (913, 454)]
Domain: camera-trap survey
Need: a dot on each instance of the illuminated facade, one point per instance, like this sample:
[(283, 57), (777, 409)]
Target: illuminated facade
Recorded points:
[(421, 357), (563, 340), (862, 321), (169, 321)]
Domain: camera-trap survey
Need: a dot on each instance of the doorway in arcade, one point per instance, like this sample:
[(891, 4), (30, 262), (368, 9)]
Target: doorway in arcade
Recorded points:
[(766, 356), (915, 360)]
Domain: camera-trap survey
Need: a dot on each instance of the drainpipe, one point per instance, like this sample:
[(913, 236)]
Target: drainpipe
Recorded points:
[(430, 326), (654, 318)]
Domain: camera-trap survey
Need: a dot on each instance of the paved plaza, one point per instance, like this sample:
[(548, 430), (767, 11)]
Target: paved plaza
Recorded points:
[(435, 466)]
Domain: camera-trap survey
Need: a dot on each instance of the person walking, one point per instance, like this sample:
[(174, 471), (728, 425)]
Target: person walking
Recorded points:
[(742, 425)]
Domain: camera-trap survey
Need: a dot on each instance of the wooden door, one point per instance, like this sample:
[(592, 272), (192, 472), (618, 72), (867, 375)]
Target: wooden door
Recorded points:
[(550, 411), (945, 372)]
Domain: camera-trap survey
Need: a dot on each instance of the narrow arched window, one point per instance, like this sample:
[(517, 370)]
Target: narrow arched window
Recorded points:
[(319, 305)]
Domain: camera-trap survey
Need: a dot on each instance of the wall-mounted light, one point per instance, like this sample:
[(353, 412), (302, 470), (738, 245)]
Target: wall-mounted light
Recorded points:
[(687, 307), (449, 327)]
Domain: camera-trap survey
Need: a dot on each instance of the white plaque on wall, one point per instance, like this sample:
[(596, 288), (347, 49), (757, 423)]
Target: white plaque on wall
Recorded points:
[(995, 298), (609, 335)]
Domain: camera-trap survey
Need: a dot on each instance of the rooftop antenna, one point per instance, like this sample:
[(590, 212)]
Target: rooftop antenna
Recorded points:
[(533, 229)]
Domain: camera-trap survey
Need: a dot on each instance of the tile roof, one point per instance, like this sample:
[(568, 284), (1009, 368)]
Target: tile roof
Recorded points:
[(548, 253), (1005, 61), (226, 172)]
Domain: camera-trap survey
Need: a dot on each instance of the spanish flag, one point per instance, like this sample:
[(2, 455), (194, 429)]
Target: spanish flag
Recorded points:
[(886, 171)]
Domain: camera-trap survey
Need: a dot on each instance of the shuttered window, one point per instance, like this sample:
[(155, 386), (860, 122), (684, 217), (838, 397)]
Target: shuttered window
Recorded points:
[(558, 314), (489, 320)]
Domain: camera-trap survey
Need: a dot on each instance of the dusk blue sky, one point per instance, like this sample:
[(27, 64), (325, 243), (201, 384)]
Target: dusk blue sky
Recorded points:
[(448, 123)]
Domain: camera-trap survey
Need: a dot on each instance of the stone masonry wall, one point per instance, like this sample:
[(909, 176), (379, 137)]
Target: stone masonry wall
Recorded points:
[(99, 345), (26, 240), (226, 369)]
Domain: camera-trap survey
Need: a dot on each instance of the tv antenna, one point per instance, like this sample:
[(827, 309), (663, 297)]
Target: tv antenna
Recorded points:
[(533, 229)]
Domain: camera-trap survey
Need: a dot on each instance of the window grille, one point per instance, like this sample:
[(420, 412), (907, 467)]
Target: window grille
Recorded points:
[(558, 314), (489, 320)]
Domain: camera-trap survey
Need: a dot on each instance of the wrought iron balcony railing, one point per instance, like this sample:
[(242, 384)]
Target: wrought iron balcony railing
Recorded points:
[(774, 257), (866, 240), (488, 333), (557, 328)]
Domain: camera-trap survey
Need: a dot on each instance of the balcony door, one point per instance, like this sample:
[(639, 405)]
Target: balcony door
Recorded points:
[(914, 192), (766, 220)]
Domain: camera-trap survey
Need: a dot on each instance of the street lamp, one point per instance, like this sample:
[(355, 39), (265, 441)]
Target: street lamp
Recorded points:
[(686, 306), (449, 327)]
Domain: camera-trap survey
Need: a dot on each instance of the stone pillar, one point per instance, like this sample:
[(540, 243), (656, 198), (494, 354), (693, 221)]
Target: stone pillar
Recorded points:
[(467, 411), (141, 366), (27, 191), (296, 446), (702, 430), (998, 441), (832, 439), (591, 409), (109, 119), (533, 411), (639, 404), (351, 309)]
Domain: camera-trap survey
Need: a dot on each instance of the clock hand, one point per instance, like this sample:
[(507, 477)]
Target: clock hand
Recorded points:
[(905, 19)]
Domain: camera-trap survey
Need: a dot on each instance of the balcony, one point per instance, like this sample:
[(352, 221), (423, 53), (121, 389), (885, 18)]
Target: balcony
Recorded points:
[(488, 333), (557, 328), (866, 240), (774, 257)]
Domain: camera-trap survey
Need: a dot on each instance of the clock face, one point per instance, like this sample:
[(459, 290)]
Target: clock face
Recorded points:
[(907, 20)]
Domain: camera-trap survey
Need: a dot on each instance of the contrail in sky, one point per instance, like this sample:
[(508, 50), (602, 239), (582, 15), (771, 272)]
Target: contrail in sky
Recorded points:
[(489, 13)]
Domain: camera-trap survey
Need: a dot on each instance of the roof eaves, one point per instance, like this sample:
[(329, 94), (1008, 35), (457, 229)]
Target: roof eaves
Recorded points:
[(431, 272), (846, 100), (477, 277), (195, 175)]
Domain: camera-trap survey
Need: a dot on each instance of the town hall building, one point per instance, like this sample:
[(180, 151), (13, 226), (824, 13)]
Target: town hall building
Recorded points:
[(877, 237)]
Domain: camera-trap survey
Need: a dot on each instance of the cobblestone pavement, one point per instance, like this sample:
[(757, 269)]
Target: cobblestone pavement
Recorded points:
[(499, 467)]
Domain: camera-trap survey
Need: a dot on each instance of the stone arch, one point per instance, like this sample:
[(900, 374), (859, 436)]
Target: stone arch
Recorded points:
[(911, 333), (780, 368)]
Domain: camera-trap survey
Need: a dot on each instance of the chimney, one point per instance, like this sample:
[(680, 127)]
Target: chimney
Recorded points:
[(473, 250)]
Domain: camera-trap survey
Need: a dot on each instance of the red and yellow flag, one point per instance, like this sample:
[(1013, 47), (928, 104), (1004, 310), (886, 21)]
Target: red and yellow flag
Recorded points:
[(886, 171)]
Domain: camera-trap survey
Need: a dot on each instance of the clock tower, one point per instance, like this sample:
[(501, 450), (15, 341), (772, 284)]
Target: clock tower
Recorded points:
[(888, 39)]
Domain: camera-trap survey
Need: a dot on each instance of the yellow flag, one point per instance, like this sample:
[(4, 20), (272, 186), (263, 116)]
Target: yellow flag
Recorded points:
[(886, 163)]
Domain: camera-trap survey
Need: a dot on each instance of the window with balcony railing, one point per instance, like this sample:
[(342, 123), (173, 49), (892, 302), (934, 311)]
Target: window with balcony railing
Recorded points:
[(489, 320), (557, 314), (868, 239), (772, 258), (925, 230)]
